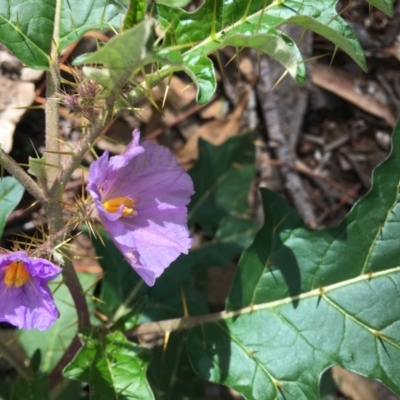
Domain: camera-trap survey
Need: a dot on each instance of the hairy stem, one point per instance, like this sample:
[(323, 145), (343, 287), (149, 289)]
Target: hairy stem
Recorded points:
[(29, 184), (77, 293), (106, 116), (52, 184), (53, 158), (84, 144)]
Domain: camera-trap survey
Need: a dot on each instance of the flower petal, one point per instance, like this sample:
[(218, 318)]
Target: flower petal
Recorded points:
[(151, 241), (41, 268), (132, 150), (150, 175), (29, 306), (97, 175)]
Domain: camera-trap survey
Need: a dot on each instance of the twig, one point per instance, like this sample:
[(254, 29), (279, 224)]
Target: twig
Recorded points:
[(270, 110), (29, 184), (364, 178), (84, 144), (56, 375)]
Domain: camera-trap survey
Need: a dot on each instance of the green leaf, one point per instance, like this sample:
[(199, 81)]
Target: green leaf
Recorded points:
[(26, 26), (216, 24), (79, 17), (320, 17), (119, 63), (53, 342), (256, 255), (122, 288), (124, 297), (5, 390), (37, 389), (222, 178), (113, 366), (170, 373), (384, 5), (136, 13), (201, 70), (130, 316), (72, 390), (174, 3), (322, 299), (11, 192), (232, 236)]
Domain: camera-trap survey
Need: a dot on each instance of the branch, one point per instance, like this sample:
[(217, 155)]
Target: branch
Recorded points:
[(160, 328), (84, 145), (17, 172)]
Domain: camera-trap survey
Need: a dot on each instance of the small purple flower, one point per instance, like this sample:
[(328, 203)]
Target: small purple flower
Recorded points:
[(25, 299), (141, 199)]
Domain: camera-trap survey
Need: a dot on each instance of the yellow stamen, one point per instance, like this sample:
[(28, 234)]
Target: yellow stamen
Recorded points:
[(113, 206), (16, 274)]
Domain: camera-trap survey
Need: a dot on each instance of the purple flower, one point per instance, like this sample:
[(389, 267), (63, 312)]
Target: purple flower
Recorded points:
[(141, 199), (25, 299)]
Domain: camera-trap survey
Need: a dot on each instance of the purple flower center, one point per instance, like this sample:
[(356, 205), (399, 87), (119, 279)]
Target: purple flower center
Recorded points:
[(16, 274), (113, 206)]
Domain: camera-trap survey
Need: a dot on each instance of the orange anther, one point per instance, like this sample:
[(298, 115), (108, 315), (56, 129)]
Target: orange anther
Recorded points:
[(113, 206), (16, 274)]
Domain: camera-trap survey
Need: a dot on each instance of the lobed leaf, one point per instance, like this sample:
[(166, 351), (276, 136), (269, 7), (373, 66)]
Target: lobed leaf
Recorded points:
[(257, 254), (316, 299), (222, 177), (170, 373), (216, 24), (113, 366), (115, 58), (124, 56), (254, 24), (320, 17), (26, 26)]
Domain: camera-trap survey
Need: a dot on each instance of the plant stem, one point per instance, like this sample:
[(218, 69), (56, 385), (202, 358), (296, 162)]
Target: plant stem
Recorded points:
[(17, 172), (56, 377), (176, 324), (53, 157), (53, 184), (84, 144), (71, 280)]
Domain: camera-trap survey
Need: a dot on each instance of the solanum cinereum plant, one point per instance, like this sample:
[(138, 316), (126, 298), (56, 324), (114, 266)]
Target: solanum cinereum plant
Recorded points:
[(301, 301)]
